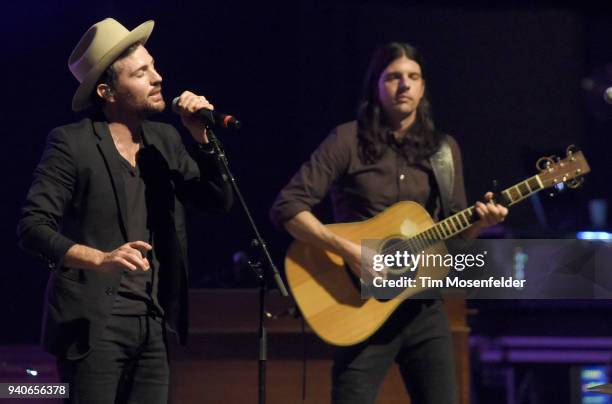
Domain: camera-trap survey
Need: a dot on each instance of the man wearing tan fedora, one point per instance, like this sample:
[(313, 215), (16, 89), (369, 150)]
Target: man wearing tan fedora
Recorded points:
[(105, 213)]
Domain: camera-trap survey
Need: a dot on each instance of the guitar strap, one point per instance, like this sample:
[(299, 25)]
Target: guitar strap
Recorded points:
[(444, 172)]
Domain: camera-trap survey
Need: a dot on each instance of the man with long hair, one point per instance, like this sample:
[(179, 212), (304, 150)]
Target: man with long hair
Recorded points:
[(105, 212), (368, 165)]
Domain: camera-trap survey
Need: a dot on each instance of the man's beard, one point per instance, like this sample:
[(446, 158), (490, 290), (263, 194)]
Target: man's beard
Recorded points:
[(152, 109), (148, 109), (141, 107)]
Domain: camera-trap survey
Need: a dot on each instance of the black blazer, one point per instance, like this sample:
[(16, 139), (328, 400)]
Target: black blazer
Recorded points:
[(78, 185)]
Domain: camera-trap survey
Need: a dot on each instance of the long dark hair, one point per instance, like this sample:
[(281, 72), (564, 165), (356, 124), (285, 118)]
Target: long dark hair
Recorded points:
[(373, 128)]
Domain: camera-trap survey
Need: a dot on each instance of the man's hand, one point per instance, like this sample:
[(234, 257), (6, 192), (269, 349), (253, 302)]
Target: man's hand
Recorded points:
[(130, 256), (189, 103), (352, 254), (490, 214)]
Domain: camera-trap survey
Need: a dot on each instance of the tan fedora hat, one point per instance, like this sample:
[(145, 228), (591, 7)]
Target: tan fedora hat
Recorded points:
[(97, 49)]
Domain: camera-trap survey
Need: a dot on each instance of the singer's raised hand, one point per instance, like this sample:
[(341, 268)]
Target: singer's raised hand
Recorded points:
[(189, 103)]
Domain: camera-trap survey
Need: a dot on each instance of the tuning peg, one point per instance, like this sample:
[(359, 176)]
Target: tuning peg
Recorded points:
[(575, 183), (545, 163)]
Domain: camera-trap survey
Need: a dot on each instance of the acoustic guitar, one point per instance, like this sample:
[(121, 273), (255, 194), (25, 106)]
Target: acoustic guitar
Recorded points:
[(325, 289)]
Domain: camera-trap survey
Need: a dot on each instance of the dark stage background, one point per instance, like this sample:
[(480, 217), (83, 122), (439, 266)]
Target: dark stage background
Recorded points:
[(506, 80)]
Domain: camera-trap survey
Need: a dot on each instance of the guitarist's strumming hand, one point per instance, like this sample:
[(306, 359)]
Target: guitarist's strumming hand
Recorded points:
[(352, 254), (490, 213)]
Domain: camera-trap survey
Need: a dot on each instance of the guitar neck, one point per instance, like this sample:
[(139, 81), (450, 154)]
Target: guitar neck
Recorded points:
[(464, 219)]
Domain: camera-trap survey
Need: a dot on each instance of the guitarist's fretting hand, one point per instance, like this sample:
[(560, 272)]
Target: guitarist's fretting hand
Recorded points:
[(490, 214)]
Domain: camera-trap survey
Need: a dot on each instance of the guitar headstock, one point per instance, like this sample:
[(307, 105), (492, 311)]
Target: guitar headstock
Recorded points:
[(567, 171)]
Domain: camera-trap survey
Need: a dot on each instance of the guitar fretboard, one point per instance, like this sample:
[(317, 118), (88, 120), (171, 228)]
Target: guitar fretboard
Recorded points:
[(460, 221)]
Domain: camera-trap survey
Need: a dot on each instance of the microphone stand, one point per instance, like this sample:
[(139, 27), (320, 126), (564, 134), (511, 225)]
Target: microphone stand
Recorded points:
[(260, 270)]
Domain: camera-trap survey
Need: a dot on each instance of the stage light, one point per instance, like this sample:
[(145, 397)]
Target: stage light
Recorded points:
[(594, 235), (32, 372)]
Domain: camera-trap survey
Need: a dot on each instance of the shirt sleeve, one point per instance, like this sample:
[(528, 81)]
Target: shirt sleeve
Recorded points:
[(46, 201), (203, 181), (313, 180)]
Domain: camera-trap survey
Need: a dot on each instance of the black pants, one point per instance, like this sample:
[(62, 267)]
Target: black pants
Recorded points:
[(129, 364), (417, 337)]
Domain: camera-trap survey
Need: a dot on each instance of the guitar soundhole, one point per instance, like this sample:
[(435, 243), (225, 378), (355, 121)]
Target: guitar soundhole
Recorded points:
[(388, 247), (391, 247)]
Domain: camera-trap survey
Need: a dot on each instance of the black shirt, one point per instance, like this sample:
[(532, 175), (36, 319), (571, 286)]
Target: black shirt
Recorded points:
[(137, 294)]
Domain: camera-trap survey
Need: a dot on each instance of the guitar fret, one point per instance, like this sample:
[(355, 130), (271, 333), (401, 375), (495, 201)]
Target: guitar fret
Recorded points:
[(465, 215), (439, 232), (445, 228), (410, 244), (442, 230), (538, 179), (419, 243), (533, 184), (418, 246), (457, 222), (422, 241), (436, 233), (508, 196), (515, 195), (456, 228), (426, 240), (450, 226), (431, 234), (464, 223), (474, 215), (523, 189)]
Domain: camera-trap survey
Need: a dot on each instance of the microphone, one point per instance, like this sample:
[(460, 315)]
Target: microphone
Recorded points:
[(607, 95), (211, 117)]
